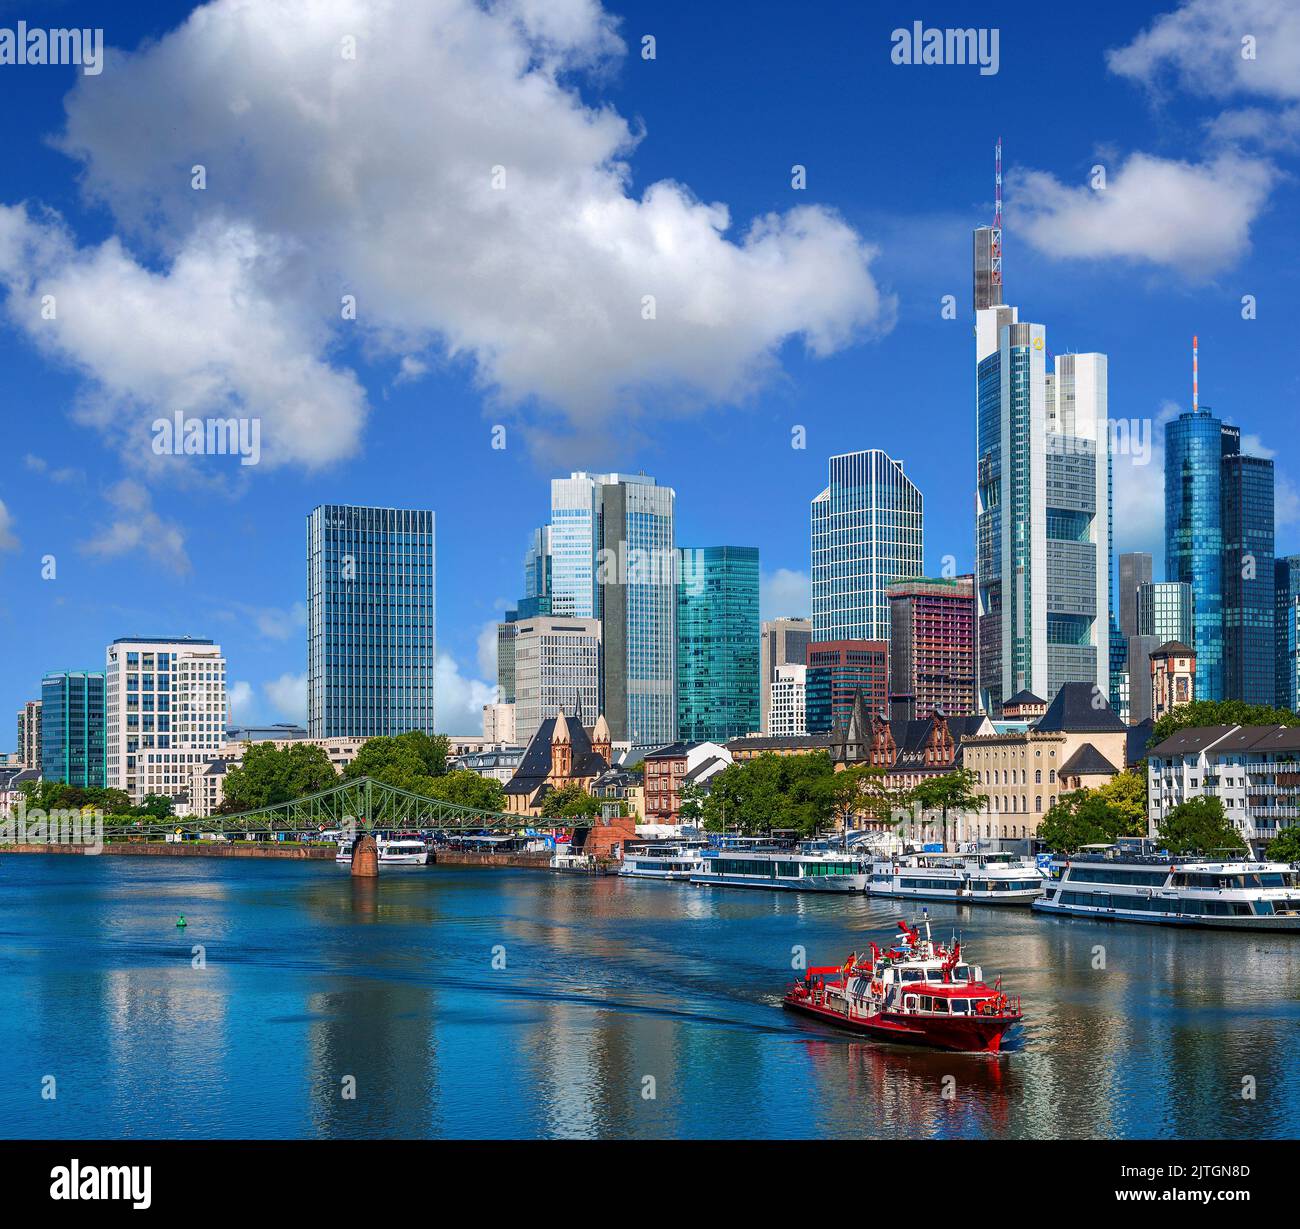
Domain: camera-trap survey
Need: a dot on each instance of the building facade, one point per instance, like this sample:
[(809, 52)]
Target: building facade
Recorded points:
[(499, 723), (557, 667), (1164, 614), (1043, 535), (73, 730), (1134, 572), (29, 735), (932, 648), (1249, 602), (784, 642), (371, 628), (717, 643), (1286, 592), (837, 671), (166, 712), (1172, 677), (670, 768), (867, 534), (788, 702)]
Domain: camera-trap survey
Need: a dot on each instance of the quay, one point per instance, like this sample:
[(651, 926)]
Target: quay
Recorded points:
[(189, 849)]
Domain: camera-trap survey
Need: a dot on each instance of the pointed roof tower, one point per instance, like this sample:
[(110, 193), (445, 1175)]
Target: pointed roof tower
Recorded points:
[(561, 731)]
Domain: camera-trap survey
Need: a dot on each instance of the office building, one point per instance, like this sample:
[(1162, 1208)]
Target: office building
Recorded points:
[(717, 643), (1043, 537), (931, 648), (499, 724), (1249, 602), (72, 714), (371, 644), (29, 735), (1286, 576), (506, 657), (867, 534), (837, 671), (1134, 572), (166, 712), (787, 713), (557, 669), (784, 642)]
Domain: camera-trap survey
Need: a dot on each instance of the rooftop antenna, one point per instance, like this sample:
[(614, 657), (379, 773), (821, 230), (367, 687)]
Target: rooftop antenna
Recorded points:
[(1195, 391), (995, 239)]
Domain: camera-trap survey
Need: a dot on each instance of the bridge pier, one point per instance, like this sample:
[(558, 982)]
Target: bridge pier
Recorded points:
[(365, 857)]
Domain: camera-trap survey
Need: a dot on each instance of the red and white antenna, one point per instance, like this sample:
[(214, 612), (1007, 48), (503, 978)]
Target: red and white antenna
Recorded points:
[(995, 244), (1195, 391)]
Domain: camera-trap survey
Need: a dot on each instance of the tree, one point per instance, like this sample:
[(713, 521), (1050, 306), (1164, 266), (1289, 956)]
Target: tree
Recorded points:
[(468, 789), (1127, 793), (1285, 847), (570, 802), (691, 801), (791, 793), (1219, 712), (1083, 817), (408, 761), (1199, 825), (954, 791), (156, 806), (269, 775)]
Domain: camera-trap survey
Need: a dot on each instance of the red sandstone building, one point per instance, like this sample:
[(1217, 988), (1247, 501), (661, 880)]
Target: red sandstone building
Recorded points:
[(838, 670), (931, 648)]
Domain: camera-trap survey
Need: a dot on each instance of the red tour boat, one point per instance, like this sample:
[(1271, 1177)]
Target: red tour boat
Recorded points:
[(917, 992)]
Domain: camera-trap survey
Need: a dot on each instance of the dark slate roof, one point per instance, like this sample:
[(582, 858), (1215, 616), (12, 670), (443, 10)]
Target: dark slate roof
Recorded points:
[(1138, 737), (673, 751), (1190, 741), (1074, 711), (1087, 761), (699, 769), (1023, 697), (535, 766), (764, 742), (1172, 648)]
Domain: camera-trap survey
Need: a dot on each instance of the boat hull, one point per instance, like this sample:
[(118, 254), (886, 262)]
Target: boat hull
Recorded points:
[(963, 898), (965, 1034), (1201, 921), (813, 883)]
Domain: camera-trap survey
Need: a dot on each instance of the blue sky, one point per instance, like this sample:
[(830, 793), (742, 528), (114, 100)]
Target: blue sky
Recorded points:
[(520, 306)]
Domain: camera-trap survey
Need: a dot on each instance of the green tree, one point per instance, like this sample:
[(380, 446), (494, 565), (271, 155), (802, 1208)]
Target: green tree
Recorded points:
[(791, 793), (953, 791), (407, 761), (1285, 847), (1080, 818), (570, 802), (269, 775), (1219, 712), (1127, 793), (468, 789), (1199, 825), (691, 802), (156, 806)]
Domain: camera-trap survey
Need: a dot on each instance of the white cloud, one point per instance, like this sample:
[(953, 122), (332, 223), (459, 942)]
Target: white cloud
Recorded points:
[(784, 594), (1200, 46), (373, 177), (1192, 218), (288, 697), (136, 528), (486, 650), (272, 622), (8, 541), (1286, 502), (459, 700), (240, 702)]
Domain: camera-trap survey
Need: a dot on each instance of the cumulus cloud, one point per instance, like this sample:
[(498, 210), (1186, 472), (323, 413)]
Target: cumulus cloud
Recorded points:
[(784, 594), (1138, 492), (288, 696), (452, 179), (459, 700), (1194, 218), (240, 702), (1200, 47), (272, 622), (134, 527), (486, 650), (8, 541)]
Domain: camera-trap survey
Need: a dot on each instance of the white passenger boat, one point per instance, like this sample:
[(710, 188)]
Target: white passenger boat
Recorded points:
[(810, 867), (971, 878), (1118, 884), (676, 860), (393, 851)]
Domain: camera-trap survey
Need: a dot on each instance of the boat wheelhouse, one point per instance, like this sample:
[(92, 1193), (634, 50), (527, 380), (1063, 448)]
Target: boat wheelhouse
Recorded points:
[(1138, 884), (808, 867), (992, 878), (677, 860), (917, 991)]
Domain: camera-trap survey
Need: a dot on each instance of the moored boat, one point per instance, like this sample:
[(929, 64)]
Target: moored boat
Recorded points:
[(991, 878), (809, 867), (919, 992), (675, 860)]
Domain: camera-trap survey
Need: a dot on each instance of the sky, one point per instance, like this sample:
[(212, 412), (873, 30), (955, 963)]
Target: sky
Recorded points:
[(399, 236)]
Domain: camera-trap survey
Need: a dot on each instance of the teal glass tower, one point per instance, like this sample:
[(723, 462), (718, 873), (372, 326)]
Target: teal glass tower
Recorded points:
[(717, 643), (74, 740), (371, 647), (1286, 575)]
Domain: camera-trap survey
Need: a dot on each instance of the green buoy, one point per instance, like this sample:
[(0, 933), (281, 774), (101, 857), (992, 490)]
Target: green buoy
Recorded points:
[(181, 922)]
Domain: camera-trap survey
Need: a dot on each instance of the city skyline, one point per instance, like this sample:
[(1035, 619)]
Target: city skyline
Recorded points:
[(142, 540)]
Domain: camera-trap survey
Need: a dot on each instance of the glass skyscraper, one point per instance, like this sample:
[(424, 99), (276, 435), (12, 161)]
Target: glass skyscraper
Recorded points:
[(717, 643), (74, 732), (1286, 576), (371, 648), (867, 534), (1219, 540)]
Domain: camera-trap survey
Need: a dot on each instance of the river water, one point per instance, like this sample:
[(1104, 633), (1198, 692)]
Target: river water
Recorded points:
[(476, 1003)]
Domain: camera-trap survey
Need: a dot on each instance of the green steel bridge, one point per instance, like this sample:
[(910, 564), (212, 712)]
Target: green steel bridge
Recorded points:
[(367, 804)]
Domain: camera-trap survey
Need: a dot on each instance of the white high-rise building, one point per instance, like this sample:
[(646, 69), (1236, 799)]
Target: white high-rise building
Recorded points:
[(1043, 534), (787, 702), (499, 723), (166, 712), (557, 667)]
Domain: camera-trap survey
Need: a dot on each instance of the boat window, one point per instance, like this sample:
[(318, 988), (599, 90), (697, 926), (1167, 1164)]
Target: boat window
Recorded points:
[(927, 1003), (933, 975), (960, 1007), (913, 975), (941, 1005), (961, 973), (910, 1002)]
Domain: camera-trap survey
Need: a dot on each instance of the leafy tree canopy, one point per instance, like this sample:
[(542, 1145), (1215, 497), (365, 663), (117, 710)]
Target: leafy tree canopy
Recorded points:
[(468, 789), (1199, 825), (570, 802), (408, 761), (1285, 847), (1219, 712), (269, 775), (1085, 817), (1127, 793), (770, 792)]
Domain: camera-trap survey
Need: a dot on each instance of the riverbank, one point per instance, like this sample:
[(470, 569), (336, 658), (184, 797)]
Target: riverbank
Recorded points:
[(189, 849)]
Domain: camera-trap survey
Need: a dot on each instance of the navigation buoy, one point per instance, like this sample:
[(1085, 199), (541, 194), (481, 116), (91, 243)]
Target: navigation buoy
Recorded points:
[(181, 922)]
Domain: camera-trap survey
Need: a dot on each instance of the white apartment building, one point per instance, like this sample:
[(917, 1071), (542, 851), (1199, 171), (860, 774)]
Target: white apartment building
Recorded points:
[(166, 712), (786, 712), (1253, 770), (499, 723)]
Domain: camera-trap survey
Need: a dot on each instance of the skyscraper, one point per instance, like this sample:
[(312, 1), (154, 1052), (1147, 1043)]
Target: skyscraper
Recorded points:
[(1042, 579), (717, 643), (612, 558), (867, 534), (371, 643), (1164, 614), (784, 642), (73, 746), (932, 648), (29, 734), (166, 711), (787, 716), (1134, 571), (1219, 541), (1286, 575), (837, 671), (557, 669)]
